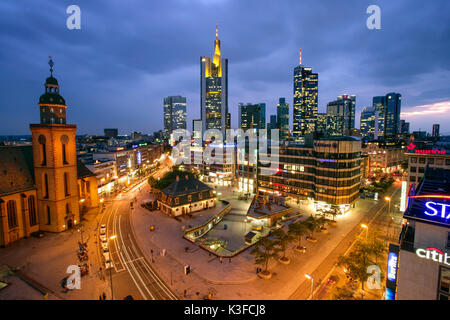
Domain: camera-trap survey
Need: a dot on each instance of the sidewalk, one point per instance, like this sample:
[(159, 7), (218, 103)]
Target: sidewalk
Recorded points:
[(45, 261)]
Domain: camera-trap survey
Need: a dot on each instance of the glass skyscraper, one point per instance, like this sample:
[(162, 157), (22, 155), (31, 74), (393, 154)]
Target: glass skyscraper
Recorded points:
[(305, 100), (174, 114), (252, 116), (214, 91), (283, 119), (341, 115), (389, 107)]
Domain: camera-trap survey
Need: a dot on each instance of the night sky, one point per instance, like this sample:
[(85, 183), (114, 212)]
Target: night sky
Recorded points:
[(129, 55)]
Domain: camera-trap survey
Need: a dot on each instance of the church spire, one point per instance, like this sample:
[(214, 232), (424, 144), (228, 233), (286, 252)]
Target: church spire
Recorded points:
[(51, 64)]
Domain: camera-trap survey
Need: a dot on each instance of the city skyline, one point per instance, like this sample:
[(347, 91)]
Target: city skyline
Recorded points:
[(105, 82)]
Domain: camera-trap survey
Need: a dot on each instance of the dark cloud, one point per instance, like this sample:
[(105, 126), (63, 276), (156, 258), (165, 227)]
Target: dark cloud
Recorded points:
[(128, 56)]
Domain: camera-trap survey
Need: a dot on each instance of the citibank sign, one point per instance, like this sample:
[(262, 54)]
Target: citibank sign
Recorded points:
[(434, 254)]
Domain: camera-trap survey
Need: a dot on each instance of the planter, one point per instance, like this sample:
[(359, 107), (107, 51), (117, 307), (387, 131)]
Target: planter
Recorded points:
[(265, 275), (284, 260), (311, 239), (333, 223), (300, 249), (325, 230)]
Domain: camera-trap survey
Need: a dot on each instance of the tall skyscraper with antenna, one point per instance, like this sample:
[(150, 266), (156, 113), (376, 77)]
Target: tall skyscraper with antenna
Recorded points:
[(214, 90), (305, 99)]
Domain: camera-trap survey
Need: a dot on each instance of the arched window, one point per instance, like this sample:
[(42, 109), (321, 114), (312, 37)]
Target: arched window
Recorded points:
[(32, 210), (12, 214), (45, 186), (49, 217), (64, 141), (67, 208), (42, 142), (66, 184)]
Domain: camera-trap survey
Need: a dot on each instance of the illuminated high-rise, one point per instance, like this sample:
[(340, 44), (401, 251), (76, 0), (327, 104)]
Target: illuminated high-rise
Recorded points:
[(174, 114), (305, 100), (341, 115), (214, 90), (283, 118)]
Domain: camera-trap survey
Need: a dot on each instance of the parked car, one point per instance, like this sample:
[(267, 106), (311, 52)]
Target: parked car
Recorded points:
[(102, 236), (103, 228), (108, 264), (106, 254), (104, 244)]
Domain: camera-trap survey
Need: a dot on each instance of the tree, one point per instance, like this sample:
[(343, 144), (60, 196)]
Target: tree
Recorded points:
[(168, 178), (298, 230), (265, 249), (347, 292), (313, 225), (321, 222), (283, 239)]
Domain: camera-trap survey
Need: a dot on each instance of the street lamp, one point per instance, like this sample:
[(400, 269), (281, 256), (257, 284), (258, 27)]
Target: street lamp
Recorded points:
[(388, 199), (365, 226), (310, 277), (110, 269)]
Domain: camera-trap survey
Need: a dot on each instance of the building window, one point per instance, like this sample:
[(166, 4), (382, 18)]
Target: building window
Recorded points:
[(11, 209), (49, 217), (412, 179), (64, 141), (177, 201), (440, 161), (32, 210), (413, 160), (66, 184), (447, 162), (448, 240), (42, 142), (444, 283), (413, 169), (430, 160), (67, 208), (200, 195), (421, 169), (189, 197), (421, 160), (45, 186)]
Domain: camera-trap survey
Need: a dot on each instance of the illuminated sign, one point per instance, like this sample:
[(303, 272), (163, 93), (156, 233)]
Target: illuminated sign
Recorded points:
[(139, 158), (392, 271), (134, 146), (403, 197), (326, 160), (392, 266), (434, 211), (431, 151), (120, 148), (434, 254)]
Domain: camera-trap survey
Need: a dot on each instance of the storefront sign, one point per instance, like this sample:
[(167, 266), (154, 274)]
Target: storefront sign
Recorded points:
[(437, 209), (434, 254), (392, 271)]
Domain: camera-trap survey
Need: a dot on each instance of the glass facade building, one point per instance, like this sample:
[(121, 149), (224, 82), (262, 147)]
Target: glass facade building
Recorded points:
[(252, 116), (214, 91), (283, 118), (341, 115), (174, 114), (305, 100)]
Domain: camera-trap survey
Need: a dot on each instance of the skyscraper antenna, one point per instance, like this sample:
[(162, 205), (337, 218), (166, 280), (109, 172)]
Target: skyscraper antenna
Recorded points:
[(51, 64), (300, 56), (217, 30)]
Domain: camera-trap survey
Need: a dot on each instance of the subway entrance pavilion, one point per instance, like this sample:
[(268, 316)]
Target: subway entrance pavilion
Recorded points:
[(423, 260)]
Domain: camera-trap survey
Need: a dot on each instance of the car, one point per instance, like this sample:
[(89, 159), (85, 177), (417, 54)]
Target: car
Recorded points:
[(129, 297), (108, 264), (104, 244), (103, 228), (103, 236), (257, 228), (106, 255)]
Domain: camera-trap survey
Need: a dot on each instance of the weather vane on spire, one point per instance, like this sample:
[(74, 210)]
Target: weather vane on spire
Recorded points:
[(51, 64)]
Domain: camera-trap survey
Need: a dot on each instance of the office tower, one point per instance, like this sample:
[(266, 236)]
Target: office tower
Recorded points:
[(404, 127), (392, 115), (370, 123), (283, 118), (389, 107), (305, 100), (435, 130), (174, 114), (252, 116), (273, 124), (214, 90), (111, 133), (322, 124), (228, 125), (341, 115)]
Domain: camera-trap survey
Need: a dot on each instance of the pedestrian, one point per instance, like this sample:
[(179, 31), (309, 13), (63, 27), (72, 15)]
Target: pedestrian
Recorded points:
[(220, 259), (184, 293), (104, 296)]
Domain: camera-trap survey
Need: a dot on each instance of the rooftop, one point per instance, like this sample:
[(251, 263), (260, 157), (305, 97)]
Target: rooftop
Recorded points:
[(184, 185), (16, 169)]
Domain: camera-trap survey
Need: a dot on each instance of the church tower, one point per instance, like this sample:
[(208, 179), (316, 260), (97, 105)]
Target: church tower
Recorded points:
[(55, 161)]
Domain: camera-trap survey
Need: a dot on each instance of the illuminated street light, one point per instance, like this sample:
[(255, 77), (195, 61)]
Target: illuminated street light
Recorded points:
[(388, 199), (310, 277), (365, 226), (113, 237)]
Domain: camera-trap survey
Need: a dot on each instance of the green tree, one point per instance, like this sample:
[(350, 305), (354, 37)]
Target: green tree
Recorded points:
[(282, 239), (264, 250), (347, 292), (298, 230), (313, 225), (168, 178)]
